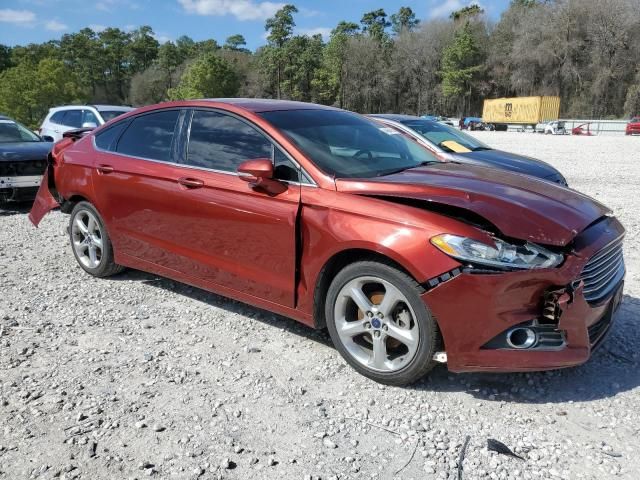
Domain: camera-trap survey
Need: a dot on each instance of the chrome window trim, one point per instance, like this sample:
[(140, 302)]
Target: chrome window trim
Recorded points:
[(193, 167), (190, 167)]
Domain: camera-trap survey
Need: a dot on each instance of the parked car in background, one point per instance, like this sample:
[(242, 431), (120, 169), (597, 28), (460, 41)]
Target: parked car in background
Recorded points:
[(330, 218), (439, 119), (70, 117), (555, 127), (633, 127), (582, 129), (23, 158), (451, 144)]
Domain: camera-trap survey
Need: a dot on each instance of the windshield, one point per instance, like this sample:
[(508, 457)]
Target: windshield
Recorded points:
[(348, 145), (111, 114), (13, 132), (447, 138)]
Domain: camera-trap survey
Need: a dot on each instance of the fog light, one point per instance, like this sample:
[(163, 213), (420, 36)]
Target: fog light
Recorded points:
[(521, 338)]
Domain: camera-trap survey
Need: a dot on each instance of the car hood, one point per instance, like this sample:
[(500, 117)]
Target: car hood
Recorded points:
[(11, 152), (519, 206), (509, 161)]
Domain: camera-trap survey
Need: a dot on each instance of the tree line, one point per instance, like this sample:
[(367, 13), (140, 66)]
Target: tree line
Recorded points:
[(588, 53)]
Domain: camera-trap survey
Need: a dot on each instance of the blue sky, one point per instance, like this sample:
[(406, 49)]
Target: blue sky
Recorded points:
[(26, 21)]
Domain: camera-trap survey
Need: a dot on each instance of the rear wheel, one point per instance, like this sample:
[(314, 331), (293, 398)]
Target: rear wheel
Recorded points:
[(379, 323), (90, 241)]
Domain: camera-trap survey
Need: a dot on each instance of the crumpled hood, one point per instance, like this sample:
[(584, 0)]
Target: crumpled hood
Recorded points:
[(11, 152), (509, 161), (521, 207)]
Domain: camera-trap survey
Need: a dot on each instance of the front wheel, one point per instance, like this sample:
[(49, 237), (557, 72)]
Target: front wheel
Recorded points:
[(379, 323), (90, 241)]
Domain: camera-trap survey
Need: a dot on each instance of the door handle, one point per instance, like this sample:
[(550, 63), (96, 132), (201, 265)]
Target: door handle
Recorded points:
[(104, 169), (190, 182)]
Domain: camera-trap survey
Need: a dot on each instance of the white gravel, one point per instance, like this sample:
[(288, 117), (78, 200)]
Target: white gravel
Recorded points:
[(138, 376)]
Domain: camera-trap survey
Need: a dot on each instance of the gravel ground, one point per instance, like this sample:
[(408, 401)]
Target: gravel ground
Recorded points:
[(138, 376)]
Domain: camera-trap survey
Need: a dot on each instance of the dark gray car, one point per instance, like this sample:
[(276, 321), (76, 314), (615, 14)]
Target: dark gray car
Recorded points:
[(453, 145)]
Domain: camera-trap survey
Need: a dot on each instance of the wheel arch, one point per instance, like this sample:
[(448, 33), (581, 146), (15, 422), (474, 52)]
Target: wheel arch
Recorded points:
[(336, 263)]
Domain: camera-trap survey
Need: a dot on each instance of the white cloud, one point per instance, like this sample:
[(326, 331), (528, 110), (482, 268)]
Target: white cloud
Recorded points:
[(324, 31), (96, 27), (55, 26), (16, 16), (241, 9), (448, 6)]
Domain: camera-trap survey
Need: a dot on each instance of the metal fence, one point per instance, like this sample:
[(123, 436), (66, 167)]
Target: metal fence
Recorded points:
[(597, 127)]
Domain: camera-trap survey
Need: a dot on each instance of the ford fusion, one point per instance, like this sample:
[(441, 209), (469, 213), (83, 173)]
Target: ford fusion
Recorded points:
[(451, 144), (327, 217)]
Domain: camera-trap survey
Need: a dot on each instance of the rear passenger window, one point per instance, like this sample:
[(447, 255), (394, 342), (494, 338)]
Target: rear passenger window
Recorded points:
[(150, 136), (106, 140), (57, 117), (73, 118), (222, 142)]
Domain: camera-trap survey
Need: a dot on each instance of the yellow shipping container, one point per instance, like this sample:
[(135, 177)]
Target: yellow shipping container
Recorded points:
[(521, 110)]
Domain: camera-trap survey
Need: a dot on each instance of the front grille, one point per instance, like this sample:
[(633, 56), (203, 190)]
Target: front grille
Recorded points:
[(603, 272), (25, 168)]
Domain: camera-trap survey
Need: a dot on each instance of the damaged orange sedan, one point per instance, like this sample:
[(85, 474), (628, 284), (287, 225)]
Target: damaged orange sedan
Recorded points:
[(329, 218)]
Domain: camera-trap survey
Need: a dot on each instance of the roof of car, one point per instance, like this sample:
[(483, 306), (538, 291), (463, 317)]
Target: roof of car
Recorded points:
[(396, 117), (3, 117), (258, 105), (123, 108)]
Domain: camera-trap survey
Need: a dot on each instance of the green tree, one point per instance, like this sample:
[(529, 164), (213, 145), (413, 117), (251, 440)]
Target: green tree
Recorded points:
[(235, 42), (330, 78), (375, 23), (186, 46), (169, 59), (114, 64), (207, 77), (461, 63), (143, 48), (404, 21), (306, 57), (27, 91), (81, 52), (5, 57), (469, 11), (280, 28)]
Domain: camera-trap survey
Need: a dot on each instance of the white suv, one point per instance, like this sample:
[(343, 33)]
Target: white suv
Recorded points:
[(70, 117)]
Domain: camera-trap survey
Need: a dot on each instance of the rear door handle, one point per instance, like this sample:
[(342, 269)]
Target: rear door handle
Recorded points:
[(190, 182), (105, 169)]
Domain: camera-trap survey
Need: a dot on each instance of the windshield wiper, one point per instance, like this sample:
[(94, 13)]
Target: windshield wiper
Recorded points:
[(399, 170), (479, 149)]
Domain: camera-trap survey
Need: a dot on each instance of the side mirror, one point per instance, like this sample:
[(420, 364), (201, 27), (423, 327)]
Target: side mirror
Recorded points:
[(89, 125), (259, 174), (254, 171), (47, 138)]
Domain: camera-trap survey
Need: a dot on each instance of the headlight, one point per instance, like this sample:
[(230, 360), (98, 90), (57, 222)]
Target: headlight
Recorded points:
[(501, 254)]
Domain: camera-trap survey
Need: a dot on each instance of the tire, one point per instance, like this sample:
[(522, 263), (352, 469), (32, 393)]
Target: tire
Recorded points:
[(408, 320), (90, 241)]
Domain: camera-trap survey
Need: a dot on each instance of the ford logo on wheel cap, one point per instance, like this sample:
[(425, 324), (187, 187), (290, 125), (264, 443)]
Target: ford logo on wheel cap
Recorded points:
[(375, 323)]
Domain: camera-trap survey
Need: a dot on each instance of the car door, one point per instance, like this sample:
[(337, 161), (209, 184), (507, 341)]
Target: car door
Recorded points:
[(235, 235), (137, 187)]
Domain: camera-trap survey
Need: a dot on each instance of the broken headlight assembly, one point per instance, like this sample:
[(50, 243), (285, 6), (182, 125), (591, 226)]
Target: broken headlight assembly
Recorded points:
[(500, 254)]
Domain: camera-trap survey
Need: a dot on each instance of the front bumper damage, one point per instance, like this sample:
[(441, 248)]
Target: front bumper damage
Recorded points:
[(18, 188), (475, 311)]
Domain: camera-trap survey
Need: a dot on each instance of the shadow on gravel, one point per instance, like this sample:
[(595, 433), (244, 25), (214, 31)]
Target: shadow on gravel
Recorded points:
[(613, 368), (15, 208), (273, 319)]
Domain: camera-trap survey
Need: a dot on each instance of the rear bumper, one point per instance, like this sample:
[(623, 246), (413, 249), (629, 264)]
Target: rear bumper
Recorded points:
[(474, 311)]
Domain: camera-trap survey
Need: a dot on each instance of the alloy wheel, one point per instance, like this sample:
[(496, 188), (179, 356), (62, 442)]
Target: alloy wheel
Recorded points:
[(376, 324), (87, 239)]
